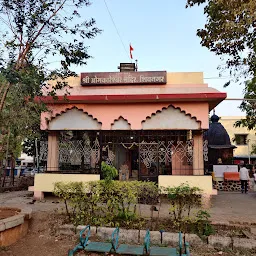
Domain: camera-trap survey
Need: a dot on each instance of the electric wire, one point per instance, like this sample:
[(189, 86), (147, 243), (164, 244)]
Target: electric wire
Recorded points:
[(117, 31), (222, 77), (240, 99)]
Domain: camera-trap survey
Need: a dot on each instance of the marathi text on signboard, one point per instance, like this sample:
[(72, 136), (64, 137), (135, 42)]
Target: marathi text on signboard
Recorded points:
[(115, 78)]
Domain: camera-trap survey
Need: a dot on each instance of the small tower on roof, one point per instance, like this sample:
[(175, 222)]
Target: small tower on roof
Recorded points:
[(219, 145)]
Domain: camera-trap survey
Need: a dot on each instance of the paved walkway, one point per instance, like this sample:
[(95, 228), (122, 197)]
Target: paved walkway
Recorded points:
[(234, 207), (25, 198), (226, 206)]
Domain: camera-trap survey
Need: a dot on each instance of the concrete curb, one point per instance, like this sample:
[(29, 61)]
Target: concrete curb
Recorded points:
[(27, 212), (13, 221), (133, 236), (193, 239), (155, 237), (15, 227), (80, 227), (220, 241), (233, 223), (244, 243)]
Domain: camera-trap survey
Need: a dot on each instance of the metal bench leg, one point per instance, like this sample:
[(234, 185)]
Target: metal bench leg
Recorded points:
[(78, 247)]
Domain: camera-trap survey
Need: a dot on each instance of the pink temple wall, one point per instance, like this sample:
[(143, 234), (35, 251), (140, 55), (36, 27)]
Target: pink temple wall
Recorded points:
[(134, 113)]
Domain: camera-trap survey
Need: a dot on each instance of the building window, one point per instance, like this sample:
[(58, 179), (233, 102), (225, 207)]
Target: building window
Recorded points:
[(241, 139)]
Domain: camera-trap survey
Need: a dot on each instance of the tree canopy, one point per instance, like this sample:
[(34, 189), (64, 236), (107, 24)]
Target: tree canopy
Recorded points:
[(33, 35), (230, 32)]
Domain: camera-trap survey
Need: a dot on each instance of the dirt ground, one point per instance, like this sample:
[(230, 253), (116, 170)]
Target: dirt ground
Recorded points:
[(42, 240), (6, 212)]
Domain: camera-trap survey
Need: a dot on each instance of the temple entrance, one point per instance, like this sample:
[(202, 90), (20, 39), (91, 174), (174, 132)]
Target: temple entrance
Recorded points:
[(137, 155), (148, 153)]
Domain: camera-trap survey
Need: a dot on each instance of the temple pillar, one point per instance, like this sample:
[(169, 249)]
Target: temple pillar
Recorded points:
[(53, 151), (198, 158)]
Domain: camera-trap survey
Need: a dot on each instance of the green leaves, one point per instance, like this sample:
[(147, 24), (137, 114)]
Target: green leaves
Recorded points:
[(230, 32), (148, 192), (191, 3), (33, 34), (20, 115), (249, 107), (104, 203), (31, 26), (109, 172), (99, 203), (183, 200)]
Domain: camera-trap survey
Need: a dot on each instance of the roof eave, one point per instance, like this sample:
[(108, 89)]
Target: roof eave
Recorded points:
[(213, 98)]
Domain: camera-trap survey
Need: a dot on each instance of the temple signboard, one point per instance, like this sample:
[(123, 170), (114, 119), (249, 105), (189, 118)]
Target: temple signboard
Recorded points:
[(123, 78)]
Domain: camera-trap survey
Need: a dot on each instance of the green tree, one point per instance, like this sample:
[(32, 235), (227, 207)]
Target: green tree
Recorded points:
[(230, 32), (249, 107), (34, 34), (18, 118)]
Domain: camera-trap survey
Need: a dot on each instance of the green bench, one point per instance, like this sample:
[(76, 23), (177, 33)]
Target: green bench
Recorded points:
[(86, 245), (125, 249), (167, 251)]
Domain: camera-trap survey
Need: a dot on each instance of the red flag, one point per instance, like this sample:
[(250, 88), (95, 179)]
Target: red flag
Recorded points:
[(131, 49)]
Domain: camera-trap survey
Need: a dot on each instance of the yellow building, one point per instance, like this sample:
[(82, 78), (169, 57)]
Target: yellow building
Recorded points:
[(241, 137)]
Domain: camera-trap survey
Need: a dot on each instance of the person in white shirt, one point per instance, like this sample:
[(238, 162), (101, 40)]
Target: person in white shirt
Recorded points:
[(244, 177), (254, 176)]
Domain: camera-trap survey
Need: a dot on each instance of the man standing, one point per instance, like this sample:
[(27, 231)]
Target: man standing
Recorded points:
[(244, 177)]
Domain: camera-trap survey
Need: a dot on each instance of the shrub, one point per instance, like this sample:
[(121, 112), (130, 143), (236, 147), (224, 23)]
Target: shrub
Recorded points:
[(202, 224), (66, 190), (114, 203), (109, 172), (183, 199), (104, 202), (85, 204), (148, 192)]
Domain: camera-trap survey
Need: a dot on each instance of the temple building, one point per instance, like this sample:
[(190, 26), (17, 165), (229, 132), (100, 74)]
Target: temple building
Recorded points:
[(148, 125), (220, 149)]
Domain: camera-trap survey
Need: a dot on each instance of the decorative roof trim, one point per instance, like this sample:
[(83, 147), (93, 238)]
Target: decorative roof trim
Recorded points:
[(164, 108), (120, 117), (70, 108)]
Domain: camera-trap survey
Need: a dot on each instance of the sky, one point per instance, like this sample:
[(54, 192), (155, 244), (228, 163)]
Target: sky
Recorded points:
[(163, 35)]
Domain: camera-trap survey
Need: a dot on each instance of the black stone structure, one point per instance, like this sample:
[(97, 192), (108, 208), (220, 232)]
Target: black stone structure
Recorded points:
[(220, 149)]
